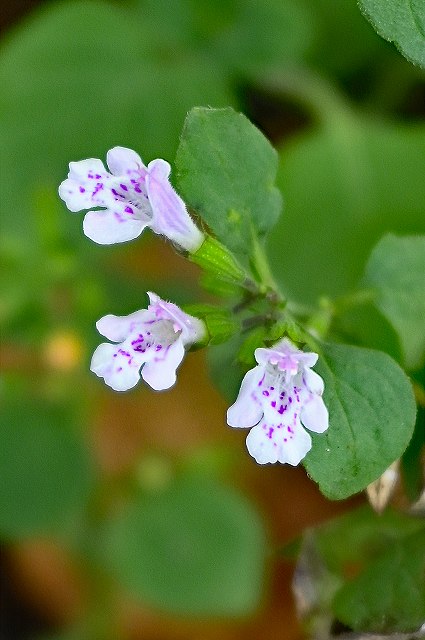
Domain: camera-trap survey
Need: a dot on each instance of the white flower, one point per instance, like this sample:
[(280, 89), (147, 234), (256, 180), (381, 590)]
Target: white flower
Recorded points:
[(151, 344), (277, 398), (132, 197)]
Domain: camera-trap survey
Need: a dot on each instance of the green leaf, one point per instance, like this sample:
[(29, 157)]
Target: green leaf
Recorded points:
[(46, 473), (356, 537), (371, 419), (396, 270), (226, 171), (389, 595), (198, 548), (344, 187), (401, 22)]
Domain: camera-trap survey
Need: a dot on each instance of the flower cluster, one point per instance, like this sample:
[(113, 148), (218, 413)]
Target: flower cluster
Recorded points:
[(277, 399)]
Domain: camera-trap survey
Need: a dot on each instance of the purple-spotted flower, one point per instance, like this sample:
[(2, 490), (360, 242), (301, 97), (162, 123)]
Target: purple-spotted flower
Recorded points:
[(278, 398), (131, 197), (151, 344)]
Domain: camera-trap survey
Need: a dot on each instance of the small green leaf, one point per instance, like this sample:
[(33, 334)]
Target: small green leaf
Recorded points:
[(389, 595), (371, 419), (226, 171), (197, 548), (401, 22), (45, 470), (396, 270)]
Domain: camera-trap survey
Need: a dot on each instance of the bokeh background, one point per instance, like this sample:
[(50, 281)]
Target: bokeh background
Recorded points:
[(140, 515)]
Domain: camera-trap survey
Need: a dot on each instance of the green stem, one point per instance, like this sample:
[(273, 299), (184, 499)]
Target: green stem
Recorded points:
[(353, 299), (262, 268), (319, 98)]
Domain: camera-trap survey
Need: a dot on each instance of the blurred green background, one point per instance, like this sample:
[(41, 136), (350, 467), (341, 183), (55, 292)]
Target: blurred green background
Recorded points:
[(146, 503)]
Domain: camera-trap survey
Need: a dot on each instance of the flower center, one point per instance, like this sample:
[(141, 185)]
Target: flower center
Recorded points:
[(163, 332)]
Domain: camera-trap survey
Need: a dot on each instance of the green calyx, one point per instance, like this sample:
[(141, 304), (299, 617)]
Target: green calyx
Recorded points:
[(215, 259)]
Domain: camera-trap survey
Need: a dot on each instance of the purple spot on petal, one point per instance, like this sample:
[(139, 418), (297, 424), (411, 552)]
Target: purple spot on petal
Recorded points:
[(128, 210), (273, 403), (123, 187), (266, 393), (82, 190)]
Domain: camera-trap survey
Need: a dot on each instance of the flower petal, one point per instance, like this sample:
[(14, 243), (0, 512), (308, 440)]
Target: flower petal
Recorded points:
[(170, 216), (85, 186), (270, 444), (90, 169), (119, 370), (118, 328), (160, 371), (247, 410), (111, 226), (313, 381), (122, 161), (314, 415)]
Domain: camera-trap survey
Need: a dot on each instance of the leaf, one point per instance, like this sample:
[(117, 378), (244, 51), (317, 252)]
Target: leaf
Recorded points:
[(46, 473), (389, 595), (401, 22), (195, 549), (356, 537), (335, 552), (344, 187), (371, 419), (226, 171), (396, 271)]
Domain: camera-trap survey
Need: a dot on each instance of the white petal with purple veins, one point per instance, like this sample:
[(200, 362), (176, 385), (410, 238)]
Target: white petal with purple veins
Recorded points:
[(160, 370), (109, 227), (116, 366), (270, 444), (118, 328), (247, 410)]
